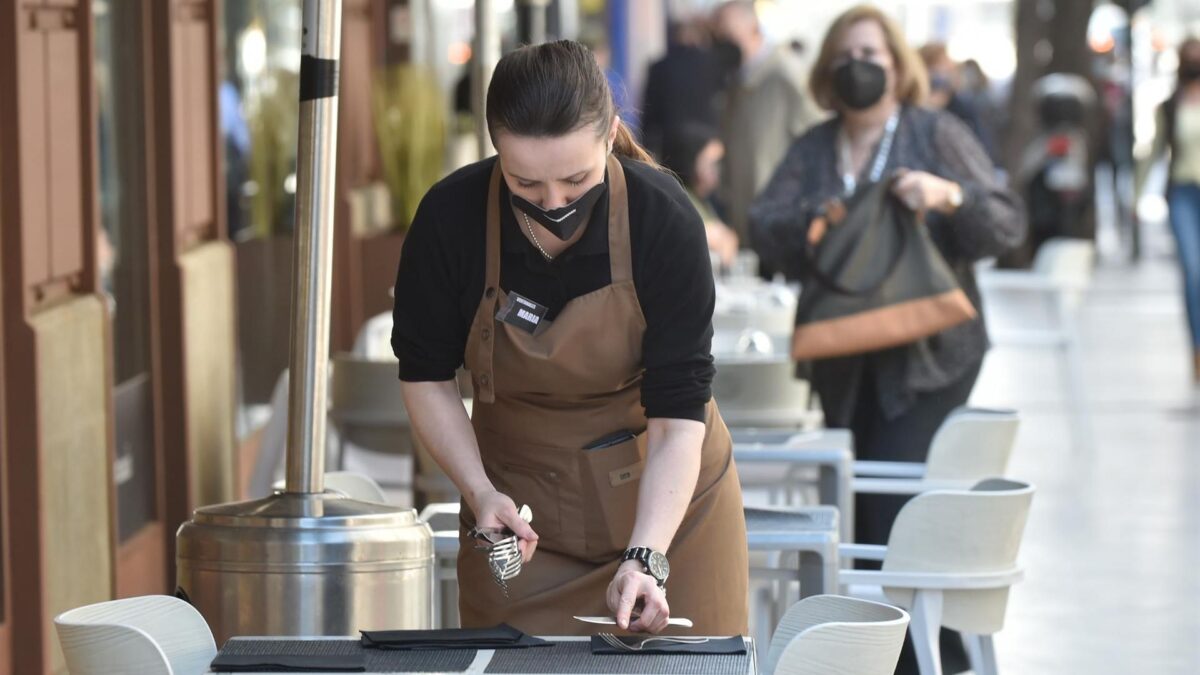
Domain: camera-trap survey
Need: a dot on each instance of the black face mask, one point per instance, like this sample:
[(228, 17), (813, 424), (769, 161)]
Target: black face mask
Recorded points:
[(564, 221), (859, 84), (727, 55), (1189, 72)]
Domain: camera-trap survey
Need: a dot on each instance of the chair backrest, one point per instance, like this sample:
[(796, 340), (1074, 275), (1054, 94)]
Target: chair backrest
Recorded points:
[(355, 486), (366, 389), (962, 532), (747, 387), (149, 635), (972, 444), (367, 404), (835, 635)]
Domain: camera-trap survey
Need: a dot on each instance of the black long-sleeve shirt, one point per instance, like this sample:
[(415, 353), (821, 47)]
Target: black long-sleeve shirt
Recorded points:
[(441, 278), (990, 221)]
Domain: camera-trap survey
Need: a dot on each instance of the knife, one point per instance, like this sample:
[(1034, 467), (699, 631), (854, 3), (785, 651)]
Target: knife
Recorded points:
[(612, 621)]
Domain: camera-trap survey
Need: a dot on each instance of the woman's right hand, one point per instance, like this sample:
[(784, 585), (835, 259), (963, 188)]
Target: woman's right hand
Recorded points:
[(497, 510)]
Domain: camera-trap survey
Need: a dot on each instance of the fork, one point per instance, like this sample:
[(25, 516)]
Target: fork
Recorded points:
[(504, 555), (612, 640)]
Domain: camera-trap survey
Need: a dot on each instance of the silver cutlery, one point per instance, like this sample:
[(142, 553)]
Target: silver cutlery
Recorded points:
[(616, 642), (503, 551), (612, 620)]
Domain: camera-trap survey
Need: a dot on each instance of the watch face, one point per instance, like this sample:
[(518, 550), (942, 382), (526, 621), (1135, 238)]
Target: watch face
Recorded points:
[(659, 567)]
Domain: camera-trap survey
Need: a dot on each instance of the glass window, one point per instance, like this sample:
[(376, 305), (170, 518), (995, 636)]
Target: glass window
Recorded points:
[(259, 100), (123, 255)]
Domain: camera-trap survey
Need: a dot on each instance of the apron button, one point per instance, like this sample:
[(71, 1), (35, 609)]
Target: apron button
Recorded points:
[(486, 333), (484, 379), (489, 293)]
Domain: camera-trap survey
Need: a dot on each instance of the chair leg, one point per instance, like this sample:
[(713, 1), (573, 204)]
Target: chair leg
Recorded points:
[(987, 652), (925, 626), (974, 654)]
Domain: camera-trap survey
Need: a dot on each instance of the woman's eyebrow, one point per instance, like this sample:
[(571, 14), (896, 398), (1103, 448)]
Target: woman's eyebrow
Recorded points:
[(578, 175)]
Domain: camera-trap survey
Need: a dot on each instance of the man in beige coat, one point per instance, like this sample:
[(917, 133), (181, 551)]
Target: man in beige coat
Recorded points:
[(766, 106)]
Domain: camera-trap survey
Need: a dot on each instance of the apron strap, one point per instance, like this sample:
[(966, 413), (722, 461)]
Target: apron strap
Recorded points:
[(484, 381), (620, 259), (619, 256)]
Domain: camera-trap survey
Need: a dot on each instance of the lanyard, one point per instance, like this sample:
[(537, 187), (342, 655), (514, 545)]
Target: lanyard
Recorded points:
[(849, 181)]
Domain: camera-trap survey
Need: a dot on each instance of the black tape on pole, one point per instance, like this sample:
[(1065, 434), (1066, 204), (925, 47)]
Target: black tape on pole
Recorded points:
[(318, 78)]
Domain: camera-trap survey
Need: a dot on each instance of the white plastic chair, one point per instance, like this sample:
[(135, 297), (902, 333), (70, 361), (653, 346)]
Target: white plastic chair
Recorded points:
[(366, 408), (970, 445), (837, 635), (950, 560), (1061, 273), (148, 635)]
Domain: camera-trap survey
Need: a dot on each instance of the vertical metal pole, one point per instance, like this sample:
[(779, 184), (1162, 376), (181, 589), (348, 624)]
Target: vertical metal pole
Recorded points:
[(313, 258), (536, 10), (487, 53)]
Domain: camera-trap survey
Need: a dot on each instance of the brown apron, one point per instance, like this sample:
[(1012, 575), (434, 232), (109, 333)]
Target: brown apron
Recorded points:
[(539, 400)]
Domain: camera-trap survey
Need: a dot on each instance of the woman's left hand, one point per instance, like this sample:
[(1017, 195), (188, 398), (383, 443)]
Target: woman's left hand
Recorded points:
[(922, 191), (631, 588)]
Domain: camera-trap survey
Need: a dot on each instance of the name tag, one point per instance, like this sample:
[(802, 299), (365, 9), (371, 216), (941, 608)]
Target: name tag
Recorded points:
[(522, 312)]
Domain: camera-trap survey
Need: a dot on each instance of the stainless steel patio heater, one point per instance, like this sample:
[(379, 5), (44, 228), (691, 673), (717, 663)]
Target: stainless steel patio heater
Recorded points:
[(305, 561)]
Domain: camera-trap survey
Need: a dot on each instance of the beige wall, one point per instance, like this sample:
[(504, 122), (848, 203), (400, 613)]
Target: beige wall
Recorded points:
[(75, 478), (209, 325)]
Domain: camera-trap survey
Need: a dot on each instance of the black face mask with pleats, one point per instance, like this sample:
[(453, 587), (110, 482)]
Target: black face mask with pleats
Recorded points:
[(859, 84), (564, 221)]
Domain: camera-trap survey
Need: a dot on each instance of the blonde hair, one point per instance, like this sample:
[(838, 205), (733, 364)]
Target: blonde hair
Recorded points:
[(912, 79)]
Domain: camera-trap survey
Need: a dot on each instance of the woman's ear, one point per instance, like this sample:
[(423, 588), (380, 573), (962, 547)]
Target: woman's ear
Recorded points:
[(612, 132)]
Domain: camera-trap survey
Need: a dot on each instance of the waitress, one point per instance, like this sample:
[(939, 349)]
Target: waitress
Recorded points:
[(572, 278)]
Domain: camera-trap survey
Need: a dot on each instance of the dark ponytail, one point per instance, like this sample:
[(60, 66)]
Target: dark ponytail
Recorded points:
[(553, 89)]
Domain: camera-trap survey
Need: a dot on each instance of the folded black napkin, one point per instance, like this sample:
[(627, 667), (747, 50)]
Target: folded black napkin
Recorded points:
[(717, 645), (503, 636), (289, 663)]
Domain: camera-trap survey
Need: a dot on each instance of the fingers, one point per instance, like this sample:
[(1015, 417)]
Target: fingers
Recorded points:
[(528, 538), (655, 611), (527, 547), (628, 598), (910, 189)]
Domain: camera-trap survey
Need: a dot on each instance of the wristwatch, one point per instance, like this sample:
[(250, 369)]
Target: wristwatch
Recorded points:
[(655, 563)]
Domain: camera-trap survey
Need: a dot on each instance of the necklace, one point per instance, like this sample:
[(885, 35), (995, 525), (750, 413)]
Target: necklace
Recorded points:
[(529, 228)]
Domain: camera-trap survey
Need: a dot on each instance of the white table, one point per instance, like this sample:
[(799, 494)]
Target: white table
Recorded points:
[(484, 656), (830, 451)]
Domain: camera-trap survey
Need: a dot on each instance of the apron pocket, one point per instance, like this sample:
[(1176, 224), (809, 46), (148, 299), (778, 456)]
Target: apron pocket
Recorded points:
[(539, 488), (611, 477)]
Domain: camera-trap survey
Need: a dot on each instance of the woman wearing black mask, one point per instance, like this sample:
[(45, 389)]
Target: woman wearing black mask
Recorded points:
[(1179, 133), (572, 278), (893, 400)]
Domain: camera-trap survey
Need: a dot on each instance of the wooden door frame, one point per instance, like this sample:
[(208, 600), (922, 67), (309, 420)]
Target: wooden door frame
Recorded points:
[(25, 573), (168, 242)]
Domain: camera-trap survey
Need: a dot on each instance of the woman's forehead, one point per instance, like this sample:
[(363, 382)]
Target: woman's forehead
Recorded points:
[(864, 33), (549, 157)]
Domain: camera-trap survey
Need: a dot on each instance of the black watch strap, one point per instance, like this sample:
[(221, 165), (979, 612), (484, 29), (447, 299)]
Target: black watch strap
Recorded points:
[(642, 554)]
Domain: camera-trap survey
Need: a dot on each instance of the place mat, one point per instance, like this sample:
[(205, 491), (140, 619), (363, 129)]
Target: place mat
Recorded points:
[(576, 658), (716, 645), (377, 660), (496, 637), (289, 663)]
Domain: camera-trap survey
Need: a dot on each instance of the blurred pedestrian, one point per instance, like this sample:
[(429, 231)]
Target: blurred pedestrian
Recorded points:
[(946, 92), (694, 151), (1179, 134), (765, 107), (895, 399), (682, 86)]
